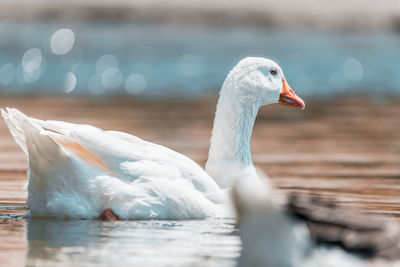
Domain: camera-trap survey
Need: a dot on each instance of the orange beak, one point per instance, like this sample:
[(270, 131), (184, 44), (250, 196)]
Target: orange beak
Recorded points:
[(288, 96)]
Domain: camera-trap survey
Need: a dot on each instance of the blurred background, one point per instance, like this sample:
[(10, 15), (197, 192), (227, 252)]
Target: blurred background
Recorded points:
[(186, 48)]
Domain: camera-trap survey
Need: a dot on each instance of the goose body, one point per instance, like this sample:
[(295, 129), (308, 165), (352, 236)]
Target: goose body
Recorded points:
[(81, 171), (78, 171)]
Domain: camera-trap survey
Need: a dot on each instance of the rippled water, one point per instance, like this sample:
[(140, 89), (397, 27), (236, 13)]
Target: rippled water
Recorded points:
[(212, 242), (187, 60)]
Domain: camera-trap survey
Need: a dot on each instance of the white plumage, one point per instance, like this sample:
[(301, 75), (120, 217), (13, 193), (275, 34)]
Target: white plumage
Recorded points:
[(78, 171)]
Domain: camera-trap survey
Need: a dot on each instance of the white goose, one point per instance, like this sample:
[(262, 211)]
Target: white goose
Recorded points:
[(80, 171)]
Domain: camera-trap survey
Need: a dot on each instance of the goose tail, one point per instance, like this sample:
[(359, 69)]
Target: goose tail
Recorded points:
[(31, 137), (59, 168), (15, 121)]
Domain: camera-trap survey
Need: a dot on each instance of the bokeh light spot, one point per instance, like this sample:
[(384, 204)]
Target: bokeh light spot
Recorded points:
[(31, 77), (135, 84), (111, 78), (31, 60), (62, 41), (69, 82), (95, 85), (105, 62)]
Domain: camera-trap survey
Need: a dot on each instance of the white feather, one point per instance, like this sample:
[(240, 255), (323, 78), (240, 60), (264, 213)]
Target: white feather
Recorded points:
[(78, 170)]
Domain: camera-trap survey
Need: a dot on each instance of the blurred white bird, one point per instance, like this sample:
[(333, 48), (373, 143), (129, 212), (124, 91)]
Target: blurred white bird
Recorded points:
[(80, 171), (304, 230)]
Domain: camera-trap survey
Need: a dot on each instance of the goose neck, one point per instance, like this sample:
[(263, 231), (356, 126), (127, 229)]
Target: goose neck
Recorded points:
[(230, 141)]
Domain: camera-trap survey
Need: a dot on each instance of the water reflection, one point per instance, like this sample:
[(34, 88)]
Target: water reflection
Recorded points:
[(212, 242)]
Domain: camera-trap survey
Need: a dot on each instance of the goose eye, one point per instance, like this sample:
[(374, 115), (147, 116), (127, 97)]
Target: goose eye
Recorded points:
[(273, 71)]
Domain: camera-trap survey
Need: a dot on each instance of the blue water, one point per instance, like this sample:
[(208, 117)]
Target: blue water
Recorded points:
[(103, 58)]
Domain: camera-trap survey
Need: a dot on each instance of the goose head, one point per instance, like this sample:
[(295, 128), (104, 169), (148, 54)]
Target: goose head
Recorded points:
[(260, 81), (252, 83)]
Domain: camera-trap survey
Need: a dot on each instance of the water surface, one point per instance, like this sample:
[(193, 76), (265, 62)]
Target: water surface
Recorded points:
[(211, 242), (346, 150)]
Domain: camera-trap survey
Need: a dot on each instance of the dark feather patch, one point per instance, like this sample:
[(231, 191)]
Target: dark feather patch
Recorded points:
[(365, 234)]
